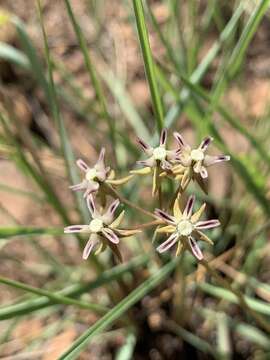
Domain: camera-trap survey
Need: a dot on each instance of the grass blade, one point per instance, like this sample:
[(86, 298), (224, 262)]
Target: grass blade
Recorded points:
[(11, 54), (107, 320), (91, 72), (56, 298), (257, 305), (7, 232), (73, 291), (148, 62), (201, 69)]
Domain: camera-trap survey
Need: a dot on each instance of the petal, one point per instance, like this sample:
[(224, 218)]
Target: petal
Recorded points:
[(110, 235), (196, 251), (143, 171), (91, 204), (168, 243), (149, 162), (164, 216), (88, 247), (166, 229), (163, 137), (211, 160), (118, 220), (195, 217), (179, 138), (76, 229), (207, 224), (144, 146), (121, 181), (113, 207), (176, 209), (82, 165), (101, 156), (78, 187), (205, 143), (203, 172), (92, 186), (189, 207)]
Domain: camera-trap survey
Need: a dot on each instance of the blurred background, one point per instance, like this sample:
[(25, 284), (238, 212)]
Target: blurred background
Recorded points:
[(222, 49)]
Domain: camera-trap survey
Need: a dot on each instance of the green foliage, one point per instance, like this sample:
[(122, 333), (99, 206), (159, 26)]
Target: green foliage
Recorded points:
[(177, 77)]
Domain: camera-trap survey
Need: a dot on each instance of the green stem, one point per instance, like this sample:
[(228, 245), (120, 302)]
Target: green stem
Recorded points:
[(148, 62)]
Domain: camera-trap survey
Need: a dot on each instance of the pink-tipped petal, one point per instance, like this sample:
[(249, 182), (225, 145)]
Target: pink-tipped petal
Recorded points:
[(211, 160), (163, 137), (164, 216), (88, 248), (196, 251), (101, 156), (168, 243), (149, 162), (92, 187), (91, 204), (143, 145), (113, 207), (75, 229), (77, 187), (179, 138), (207, 224), (205, 143), (82, 165), (189, 206), (203, 172), (110, 235)]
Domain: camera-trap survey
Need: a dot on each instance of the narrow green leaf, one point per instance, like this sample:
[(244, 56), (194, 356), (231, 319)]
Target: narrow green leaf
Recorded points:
[(117, 89), (73, 291), (6, 232), (107, 320), (65, 143), (11, 54), (92, 72), (201, 69), (55, 297), (148, 62), (246, 36), (257, 305)]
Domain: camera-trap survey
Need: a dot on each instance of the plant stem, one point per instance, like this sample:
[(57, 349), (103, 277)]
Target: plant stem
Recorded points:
[(146, 225), (223, 282), (116, 195)]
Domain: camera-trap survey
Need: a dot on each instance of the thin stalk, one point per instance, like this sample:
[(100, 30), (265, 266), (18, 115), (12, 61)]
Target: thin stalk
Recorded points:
[(148, 62), (56, 298), (92, 73), (122, 199), (224, 283)]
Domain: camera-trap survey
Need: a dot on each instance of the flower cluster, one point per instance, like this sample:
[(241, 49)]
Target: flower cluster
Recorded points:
[(183, 164)]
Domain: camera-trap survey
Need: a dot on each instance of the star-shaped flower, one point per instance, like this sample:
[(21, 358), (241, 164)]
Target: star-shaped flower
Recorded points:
[(185, 228), (103, 229), (159, 158), (193, 162), (96, 176)]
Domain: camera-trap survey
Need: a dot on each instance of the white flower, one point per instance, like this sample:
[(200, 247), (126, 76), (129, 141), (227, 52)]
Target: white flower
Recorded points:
[(103, 229), (196, 158), (185, 226)]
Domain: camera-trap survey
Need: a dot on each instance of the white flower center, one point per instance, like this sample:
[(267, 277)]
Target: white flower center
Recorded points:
[(95, 225), (91, 174), (159, 153), (197, 155), (184, 227)]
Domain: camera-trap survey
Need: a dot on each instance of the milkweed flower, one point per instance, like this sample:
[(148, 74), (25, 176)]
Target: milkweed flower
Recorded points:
[(185, 228), (103, 229), (159, 158), (97, 175), (193, 163)]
